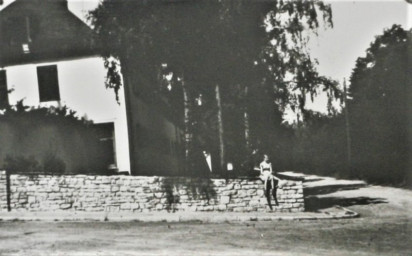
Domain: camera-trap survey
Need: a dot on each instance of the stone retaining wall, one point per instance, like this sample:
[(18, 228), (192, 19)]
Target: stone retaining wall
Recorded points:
[(144, 194)]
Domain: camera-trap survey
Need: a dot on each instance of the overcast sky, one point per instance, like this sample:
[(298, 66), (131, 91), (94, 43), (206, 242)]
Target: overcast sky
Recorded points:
[(356, 23)]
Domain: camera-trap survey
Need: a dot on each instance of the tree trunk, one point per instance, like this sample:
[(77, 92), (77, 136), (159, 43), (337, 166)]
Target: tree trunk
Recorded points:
[(246, 122), (188, 135), (220, 129), (347, 126)]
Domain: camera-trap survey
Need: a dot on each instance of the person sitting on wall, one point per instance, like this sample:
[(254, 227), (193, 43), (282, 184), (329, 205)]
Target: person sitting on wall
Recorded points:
[(270, 180)]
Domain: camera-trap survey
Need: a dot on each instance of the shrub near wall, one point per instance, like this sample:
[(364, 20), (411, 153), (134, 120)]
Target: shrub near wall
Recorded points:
[(49, 140), (146, 194)]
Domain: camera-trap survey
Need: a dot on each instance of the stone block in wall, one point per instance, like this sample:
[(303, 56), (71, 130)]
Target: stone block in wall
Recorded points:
[(262, 201), (208, 208), (224, 199), (31, 199), (94, 209), (159, 195), (21, 188), (239, 200), (219, 182), (237, 186), (22, 201), (254, 202), (229, 192), (241, 193), (254, 186), (65, 206), (229, 186), (233, 205), (115, 189), (221, 207)]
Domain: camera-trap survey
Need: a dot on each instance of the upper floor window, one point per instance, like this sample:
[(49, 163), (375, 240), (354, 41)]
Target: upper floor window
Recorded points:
[(48, 83), (4, 94)]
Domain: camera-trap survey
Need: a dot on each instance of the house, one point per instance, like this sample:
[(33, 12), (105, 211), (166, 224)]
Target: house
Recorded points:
[(49, 57)]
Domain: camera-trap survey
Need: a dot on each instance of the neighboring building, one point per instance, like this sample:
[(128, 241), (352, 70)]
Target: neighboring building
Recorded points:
[(48, 57), (156, 140)]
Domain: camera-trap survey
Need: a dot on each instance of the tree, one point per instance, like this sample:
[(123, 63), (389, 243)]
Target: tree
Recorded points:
[(379, 109), (231, 44)]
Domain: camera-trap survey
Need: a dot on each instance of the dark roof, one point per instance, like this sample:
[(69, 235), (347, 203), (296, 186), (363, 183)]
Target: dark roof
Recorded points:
[(46, 30)]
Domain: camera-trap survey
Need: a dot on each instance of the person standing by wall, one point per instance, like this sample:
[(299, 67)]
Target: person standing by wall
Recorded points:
[(270, 180)]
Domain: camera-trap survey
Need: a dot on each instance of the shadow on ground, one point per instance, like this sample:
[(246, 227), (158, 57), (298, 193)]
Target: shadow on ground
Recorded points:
[(314, 204), (327, 189)]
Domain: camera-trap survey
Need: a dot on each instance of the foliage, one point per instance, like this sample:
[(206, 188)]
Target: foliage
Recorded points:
[(21, 164), (260, 45), (48, 140), (31, 115), (379, 109), (378, 120)]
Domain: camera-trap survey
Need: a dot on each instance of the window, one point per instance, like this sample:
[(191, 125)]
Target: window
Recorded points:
[(4, 97), (105, 133), (48, 83)]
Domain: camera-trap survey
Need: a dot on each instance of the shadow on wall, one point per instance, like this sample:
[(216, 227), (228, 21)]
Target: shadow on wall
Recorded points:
[(178, 188)]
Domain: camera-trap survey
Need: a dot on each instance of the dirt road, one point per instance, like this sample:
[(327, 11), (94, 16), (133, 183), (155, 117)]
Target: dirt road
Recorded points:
[(384, 228)]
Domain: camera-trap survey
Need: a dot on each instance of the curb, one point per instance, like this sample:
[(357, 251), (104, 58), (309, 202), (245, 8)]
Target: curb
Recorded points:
[(343, 213)]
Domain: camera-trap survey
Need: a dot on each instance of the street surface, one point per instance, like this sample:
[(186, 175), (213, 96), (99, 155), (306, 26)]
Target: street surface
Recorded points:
[(384, 228)]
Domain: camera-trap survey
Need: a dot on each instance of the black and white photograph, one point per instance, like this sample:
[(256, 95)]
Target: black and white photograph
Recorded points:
[(205, 127)]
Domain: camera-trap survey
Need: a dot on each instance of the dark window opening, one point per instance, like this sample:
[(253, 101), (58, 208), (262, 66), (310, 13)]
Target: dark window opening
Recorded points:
[(48, 83), (105, 134), (4, 93)]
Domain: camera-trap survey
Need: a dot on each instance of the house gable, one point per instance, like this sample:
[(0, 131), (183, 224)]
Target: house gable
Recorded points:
[(42, 30)]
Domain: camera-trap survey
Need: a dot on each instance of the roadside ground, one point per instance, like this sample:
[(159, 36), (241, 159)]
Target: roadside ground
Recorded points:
[(383, 228)]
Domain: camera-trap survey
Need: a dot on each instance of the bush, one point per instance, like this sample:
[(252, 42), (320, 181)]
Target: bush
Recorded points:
[(49, 140)]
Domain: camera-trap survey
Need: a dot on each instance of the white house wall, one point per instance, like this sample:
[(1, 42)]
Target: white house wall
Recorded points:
[(81, 85)]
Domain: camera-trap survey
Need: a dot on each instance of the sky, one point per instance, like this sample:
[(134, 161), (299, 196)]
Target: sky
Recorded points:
[(356, 23)]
